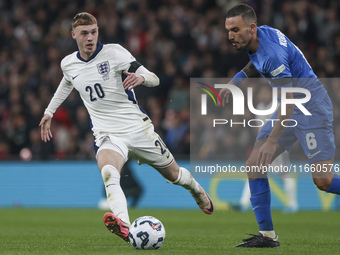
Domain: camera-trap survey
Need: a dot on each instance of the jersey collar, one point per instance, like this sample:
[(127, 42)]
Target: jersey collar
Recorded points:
[(99, 48)]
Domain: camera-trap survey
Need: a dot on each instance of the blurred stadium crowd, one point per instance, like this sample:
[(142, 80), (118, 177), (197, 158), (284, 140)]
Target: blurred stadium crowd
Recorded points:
[(176, 39)]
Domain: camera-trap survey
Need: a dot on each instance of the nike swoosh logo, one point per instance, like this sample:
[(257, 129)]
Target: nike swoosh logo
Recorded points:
[(310, 156), (211, 209), (75, 76), (110, 185), (256, 207), (155, 225)]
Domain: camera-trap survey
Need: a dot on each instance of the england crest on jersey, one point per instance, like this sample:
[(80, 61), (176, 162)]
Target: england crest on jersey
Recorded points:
[(103, 68)]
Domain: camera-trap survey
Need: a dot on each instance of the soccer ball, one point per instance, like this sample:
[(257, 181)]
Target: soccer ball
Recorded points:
[(147, 233)]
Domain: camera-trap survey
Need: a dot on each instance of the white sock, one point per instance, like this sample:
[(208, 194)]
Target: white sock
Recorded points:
[(270, 234), (186, 180), (114, 193)]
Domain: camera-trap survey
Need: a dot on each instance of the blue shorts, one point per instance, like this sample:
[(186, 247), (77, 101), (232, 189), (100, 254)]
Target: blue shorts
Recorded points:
[(314, 132)]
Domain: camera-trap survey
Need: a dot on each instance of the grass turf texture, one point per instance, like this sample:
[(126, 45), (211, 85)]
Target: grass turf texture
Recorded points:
[(78, 231)]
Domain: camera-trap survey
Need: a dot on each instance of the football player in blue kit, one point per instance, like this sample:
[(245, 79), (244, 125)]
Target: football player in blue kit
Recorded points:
[(277, 59)]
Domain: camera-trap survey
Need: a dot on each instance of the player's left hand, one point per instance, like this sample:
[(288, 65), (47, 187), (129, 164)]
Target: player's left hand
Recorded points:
[(132, 80), (45, 125), (266, 153), (224, 95)]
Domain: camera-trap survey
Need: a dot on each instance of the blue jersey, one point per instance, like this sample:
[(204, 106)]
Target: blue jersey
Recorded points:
[(277, 57)]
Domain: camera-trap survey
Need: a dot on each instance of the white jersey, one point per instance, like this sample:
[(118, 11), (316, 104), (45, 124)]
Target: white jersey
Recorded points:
[(99, 82)]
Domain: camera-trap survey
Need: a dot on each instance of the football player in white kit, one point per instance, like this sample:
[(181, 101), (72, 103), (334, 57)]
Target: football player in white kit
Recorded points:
[(120, 127)]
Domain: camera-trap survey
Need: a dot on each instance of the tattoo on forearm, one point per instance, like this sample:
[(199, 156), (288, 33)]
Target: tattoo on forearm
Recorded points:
[(250, 70)]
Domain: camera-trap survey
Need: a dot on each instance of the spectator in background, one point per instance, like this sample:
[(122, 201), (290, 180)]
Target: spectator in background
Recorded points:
[(173, 38), (176, 122)]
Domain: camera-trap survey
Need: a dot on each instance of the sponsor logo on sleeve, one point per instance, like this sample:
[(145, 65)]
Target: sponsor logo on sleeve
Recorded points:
[(278, 70)]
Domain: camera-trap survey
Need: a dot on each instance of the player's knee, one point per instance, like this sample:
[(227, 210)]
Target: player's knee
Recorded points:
[(322, 183)]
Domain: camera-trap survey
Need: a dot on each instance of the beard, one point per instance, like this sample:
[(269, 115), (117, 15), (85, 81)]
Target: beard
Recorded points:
[(241, 47)]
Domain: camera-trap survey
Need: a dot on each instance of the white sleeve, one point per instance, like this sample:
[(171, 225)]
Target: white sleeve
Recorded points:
[(63, 91), (123, 58), (151, 79)]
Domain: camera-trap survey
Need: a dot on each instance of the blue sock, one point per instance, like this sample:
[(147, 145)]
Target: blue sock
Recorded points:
[(335, 185), (260, 201)]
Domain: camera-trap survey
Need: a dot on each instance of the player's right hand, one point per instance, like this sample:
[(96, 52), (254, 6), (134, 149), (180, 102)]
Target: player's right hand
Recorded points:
[(224, 95), (132, 80), (45, 125)]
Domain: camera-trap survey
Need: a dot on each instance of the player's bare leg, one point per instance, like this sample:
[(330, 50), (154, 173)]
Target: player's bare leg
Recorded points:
[(110, 164), (253, 157), (181, 176), (260, 200), (323, 177)]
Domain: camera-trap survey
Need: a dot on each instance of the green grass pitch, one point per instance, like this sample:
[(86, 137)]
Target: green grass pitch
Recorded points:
[(79, 231)]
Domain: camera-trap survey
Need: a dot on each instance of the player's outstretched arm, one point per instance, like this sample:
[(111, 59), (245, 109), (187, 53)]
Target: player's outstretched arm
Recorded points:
[(248, 71), (62, 92), (45, 125)]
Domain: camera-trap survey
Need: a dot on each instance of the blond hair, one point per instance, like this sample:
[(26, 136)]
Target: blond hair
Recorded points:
[(83, 19)]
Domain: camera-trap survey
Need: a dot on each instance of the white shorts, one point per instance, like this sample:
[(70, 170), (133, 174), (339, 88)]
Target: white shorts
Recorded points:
[(144, 145)]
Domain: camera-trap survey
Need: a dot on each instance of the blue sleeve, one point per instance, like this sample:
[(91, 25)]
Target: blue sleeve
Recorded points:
[(277, 67)]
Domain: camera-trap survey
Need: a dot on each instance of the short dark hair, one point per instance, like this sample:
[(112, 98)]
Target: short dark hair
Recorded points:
[(248, 13)]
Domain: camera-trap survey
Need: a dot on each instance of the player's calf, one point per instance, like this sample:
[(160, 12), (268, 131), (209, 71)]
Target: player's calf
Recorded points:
[(326, 180), (114, 192), (322, 183)]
